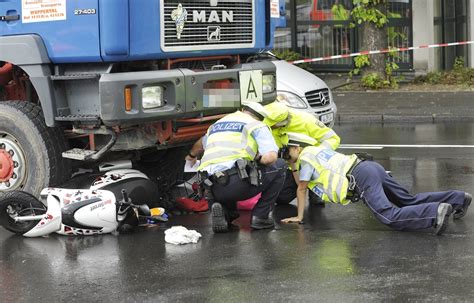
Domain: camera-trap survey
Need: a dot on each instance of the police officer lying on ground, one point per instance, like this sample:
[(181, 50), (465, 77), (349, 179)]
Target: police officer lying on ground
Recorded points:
[(283, 120), (341, 179), (241, 159)]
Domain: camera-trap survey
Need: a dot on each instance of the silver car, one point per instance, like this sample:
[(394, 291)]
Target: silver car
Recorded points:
[(302, 90)]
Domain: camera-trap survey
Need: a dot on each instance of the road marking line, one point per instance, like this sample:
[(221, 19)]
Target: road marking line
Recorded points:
[(353, 146), (381, 146)]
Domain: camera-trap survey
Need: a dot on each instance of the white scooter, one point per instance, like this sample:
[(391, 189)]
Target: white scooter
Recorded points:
[(69, 212), (75, 211)]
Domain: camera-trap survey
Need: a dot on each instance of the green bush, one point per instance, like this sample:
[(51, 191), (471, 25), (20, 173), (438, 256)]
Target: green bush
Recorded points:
[(459, 75), (459, 64), (462, 74), (431, 78), (359, 63), (373, 81)]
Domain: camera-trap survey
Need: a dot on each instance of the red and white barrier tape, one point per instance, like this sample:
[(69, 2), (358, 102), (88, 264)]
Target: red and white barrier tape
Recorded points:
[(382, 51)]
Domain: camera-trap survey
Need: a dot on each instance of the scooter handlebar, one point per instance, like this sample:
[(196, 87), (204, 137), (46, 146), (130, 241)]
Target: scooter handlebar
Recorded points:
[(125, 196), (124, 204)]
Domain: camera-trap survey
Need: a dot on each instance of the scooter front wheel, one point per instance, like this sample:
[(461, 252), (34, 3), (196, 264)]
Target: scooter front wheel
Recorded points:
[(16, 204)]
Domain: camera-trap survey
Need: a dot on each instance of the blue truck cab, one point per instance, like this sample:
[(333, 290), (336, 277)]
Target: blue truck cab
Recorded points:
[(95, 78)]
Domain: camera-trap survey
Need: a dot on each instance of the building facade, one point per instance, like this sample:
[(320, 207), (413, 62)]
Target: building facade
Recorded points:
[(318, 28)]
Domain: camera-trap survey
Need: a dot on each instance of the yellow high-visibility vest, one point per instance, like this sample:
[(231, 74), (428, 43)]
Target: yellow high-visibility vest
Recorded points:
[(230, 138), (307, 124), (331, 167)]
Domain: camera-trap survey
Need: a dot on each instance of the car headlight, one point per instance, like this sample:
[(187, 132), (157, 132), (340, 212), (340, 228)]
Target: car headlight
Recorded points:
[(268, 85), (152, 97), (291, 99)]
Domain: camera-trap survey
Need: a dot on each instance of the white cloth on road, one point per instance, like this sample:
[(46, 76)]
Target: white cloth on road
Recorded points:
[(181, 235)]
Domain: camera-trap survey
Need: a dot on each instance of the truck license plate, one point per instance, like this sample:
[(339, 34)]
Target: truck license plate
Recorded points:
[(326, 118), (221, 93)]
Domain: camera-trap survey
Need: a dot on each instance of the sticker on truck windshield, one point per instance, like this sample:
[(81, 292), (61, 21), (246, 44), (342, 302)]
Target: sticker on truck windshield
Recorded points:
[(275, 8), (251, 86), (43, 10)]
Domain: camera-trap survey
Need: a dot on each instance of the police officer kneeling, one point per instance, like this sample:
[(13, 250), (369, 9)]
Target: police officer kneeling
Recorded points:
[(283, 120), (343, 179), (241, 160)]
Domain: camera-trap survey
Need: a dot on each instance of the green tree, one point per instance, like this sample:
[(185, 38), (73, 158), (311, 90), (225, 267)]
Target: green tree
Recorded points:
[(371, 16)]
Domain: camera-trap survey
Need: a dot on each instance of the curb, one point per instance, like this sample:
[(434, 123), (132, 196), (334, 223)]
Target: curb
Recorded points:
[(402, 118), (342, 118)]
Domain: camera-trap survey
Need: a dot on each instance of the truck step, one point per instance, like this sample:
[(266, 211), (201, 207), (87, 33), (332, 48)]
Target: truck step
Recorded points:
[(74, 77), (78, 154), (79, 118)]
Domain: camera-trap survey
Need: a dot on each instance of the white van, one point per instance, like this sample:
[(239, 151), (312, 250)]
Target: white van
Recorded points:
[(302, 90)]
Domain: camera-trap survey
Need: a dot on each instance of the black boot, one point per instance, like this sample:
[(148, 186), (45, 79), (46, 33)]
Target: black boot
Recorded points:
[(219, 221), (259, 223), (459, 213)]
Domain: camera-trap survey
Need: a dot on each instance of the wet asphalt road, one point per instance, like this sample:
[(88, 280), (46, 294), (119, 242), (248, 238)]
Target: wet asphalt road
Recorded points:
[(341, 254)]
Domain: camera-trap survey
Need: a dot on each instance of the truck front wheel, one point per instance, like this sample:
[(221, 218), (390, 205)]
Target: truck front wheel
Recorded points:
[(30, 152)]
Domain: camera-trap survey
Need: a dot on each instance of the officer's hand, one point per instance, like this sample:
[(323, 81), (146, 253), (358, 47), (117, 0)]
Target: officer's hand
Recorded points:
[(191, 160), (292, 220)]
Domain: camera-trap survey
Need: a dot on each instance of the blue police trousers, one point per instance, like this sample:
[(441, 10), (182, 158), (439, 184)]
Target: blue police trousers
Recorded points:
[(273, 178), (393, 205)]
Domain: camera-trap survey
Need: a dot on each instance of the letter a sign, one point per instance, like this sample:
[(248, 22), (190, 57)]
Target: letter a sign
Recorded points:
[(251, 86)]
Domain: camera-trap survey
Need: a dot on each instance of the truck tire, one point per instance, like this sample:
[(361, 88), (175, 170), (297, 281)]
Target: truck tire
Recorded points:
[(167, 169), (30, 152)]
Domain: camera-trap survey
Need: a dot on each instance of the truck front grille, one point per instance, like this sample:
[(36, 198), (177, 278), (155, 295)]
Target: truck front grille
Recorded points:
[(318, 98), (212, 24)]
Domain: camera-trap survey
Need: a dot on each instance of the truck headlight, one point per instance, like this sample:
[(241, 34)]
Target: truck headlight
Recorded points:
[(152, 97), (291, 99), (268, 85)]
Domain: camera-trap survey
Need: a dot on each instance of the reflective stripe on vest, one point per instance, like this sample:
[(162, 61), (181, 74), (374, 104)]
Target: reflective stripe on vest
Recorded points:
[(332, 167), (230, 138), (328, 135)]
